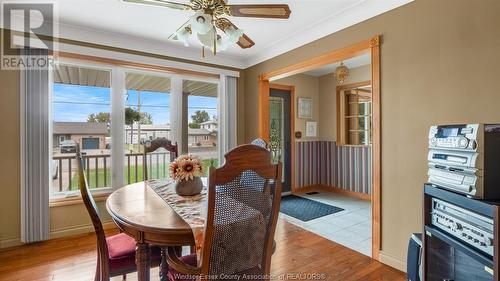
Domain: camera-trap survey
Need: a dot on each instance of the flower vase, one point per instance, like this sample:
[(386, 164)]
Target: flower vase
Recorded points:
[(189, 187)]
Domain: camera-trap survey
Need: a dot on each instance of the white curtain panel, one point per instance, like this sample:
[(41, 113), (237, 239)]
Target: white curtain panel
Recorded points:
[(227, 115), (35, 158)]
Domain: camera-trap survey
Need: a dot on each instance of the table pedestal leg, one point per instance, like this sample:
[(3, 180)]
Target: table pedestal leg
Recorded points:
[(143, 261), (164, 265)]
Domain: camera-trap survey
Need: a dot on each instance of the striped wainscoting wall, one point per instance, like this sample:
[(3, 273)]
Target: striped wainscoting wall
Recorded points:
[(324, 163)]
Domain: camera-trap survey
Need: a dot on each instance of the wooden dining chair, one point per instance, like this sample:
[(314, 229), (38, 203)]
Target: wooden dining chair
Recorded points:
[(116, 253), (152, 146), (241, 219)]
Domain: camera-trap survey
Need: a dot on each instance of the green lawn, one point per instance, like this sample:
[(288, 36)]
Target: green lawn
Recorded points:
[(155, 172)]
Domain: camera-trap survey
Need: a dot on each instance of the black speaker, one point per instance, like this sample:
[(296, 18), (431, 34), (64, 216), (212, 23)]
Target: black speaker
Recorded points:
[(413, 262)]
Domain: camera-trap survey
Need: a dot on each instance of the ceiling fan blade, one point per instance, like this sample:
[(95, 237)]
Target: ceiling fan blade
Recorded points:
[(244, 41), (277, 11), (161, 3)]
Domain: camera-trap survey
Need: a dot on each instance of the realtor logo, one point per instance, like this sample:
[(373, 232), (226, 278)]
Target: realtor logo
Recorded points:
[(27, 26)]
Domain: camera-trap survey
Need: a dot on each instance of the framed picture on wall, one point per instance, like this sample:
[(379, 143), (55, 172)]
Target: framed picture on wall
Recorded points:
[(305, 108), (311, 129)]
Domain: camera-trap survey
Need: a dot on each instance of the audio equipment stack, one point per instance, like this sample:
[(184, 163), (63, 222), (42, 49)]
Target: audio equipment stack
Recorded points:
[(462, 203)]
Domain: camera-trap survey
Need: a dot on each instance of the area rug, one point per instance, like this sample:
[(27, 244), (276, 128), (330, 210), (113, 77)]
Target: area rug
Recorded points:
[(306, 209)]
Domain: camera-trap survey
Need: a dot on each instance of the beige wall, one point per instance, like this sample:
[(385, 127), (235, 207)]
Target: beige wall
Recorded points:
[(10, 218), (435, 59), (306, 86), (328, 99), (328, 107)]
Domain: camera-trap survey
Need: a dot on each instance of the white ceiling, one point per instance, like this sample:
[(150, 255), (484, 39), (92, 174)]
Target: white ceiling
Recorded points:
[(146, 28), (350, 63)]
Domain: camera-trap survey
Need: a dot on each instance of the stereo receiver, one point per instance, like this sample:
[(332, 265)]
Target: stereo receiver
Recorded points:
[(466, 159), (474, 229)]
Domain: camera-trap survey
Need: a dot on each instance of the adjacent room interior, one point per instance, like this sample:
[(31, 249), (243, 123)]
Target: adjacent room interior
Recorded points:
[(331, 132)]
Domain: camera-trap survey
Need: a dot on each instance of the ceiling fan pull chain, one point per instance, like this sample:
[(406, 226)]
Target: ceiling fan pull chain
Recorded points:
[(215, 43)]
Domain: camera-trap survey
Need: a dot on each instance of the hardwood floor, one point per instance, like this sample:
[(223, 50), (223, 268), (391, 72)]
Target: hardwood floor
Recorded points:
[(298, 254)]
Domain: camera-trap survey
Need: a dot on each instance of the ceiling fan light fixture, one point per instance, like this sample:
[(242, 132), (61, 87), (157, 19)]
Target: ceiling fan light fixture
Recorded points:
[(234, 34), (201, 23), (222, 45), (207, 39), (183, 35)]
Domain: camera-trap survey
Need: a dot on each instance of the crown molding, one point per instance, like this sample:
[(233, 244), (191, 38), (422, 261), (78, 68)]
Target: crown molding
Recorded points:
[(356, 13)]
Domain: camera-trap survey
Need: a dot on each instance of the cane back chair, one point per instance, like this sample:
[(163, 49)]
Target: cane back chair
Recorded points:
[(243, 206)]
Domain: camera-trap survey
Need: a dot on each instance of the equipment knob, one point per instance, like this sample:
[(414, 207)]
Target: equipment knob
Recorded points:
[(463, 142), (433, 141), (488, 241), (456, 226)]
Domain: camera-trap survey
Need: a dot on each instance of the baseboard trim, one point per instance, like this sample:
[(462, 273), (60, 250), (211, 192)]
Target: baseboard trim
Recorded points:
[(59, 233), (392, 261), (353, 194), (349, 193), (306, 189), (13, 242), (79, 229)]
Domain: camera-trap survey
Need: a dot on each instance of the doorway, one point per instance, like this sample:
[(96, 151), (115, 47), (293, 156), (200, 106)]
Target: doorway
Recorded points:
[(372, 48), (280, 131)]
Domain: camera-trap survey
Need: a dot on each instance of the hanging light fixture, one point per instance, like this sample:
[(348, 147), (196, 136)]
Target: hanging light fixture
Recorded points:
[(201, 23), (234, 34), (183, 35), (341, 73), (204, 26)]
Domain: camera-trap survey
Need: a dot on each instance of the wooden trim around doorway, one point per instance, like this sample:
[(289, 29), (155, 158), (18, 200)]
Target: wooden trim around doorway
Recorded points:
[(371, 46), (291, 90)]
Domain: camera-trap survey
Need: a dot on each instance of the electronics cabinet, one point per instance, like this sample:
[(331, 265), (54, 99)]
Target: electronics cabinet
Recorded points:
[(448, 257)]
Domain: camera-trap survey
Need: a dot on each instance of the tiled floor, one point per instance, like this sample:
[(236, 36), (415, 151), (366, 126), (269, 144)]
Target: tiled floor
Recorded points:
[(351, 227)]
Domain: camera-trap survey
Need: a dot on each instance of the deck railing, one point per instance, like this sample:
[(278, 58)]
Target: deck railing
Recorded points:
[(98, 170)]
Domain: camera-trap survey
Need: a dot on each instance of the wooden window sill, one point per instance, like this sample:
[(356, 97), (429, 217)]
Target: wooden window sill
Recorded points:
[(76, 200)]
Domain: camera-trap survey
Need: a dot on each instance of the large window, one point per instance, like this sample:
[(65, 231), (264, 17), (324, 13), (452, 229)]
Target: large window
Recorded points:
[(109, 112), (81, 98), (202, 119), (147, 117), (355, 115)]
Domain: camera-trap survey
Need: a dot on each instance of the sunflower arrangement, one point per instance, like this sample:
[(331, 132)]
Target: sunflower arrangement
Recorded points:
[(186, 167)]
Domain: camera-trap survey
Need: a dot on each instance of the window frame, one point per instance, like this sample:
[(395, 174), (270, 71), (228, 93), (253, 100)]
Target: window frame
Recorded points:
[(117, 109), (342, 128)]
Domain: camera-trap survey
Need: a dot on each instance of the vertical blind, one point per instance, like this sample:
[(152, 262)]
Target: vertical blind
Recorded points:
[(228, 115), (35, 158)]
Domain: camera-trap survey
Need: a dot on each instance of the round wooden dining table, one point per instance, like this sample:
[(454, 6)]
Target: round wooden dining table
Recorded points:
[(141, 213)]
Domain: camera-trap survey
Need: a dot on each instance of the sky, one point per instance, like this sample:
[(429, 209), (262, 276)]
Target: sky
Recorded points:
[(74, 103)]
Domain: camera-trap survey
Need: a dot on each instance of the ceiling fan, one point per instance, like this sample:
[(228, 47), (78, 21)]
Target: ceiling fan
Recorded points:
[(210, 15)]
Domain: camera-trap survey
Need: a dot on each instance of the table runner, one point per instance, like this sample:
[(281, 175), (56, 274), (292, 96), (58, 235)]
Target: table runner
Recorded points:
[(192, 209)]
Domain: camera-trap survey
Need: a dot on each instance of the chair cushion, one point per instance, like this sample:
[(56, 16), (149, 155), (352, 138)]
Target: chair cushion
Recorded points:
[(120, 245), (121, 250)]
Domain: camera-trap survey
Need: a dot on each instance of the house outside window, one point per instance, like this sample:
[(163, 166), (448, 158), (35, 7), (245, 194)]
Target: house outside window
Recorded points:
[(83, 98)]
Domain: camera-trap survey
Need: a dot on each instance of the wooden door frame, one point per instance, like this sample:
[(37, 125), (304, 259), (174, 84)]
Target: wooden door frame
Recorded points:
[(371, 46), (291, 90)]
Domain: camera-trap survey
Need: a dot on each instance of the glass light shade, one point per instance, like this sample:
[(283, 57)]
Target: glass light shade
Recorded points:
[(234, 34), (222, 45), (207, 39), (183, 35), (201, 23)]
